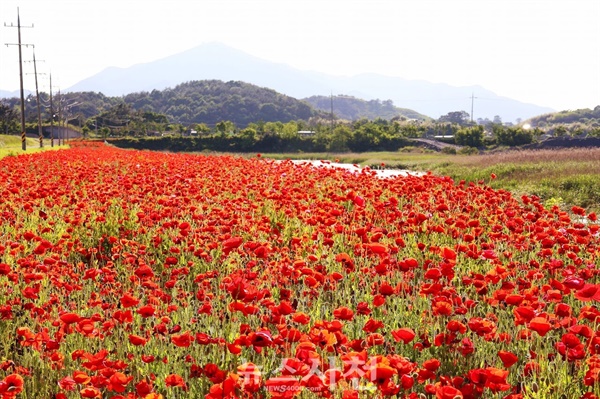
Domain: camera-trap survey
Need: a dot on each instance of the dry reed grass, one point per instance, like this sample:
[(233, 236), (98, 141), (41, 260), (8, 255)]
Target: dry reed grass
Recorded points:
[(579, 155)]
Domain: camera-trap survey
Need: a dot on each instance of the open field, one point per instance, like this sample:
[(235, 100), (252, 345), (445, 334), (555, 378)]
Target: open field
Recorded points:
[(11, 145), (559, 176), (147, 275)]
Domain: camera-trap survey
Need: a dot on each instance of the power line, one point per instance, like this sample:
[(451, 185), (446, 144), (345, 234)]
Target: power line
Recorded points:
[(23, 143), (37, 95)]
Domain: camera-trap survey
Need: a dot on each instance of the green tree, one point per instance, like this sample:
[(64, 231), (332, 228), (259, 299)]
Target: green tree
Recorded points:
[(149, 116), (560, 131), (290, 130), (458, 117), (225, 127), (9, 120), (470, 136), (105, 132), (409, 130), (248, 138), (273, 127), (340, 138), (512, 136), (367, 136), (202, 128)]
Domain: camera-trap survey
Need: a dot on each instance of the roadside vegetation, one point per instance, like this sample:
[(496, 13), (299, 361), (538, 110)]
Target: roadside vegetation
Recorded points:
[(11, 145)]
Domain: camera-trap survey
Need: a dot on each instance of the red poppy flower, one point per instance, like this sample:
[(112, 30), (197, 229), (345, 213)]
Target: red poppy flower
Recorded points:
[(508, 358), (407, 381), (403, 334), (232, 243), (448, 254), (81, 377), (301, 318), (4, 269), (148, 358), (380, 373), (589, 292), (358, 201), (118, 382), (175, 380), (11, 386), (90, 393), (343, 313), (432, 364), (574, 282), (374, 339), (376, 248), (67, 383), (456, 326), (540, 325), (70, 318), (523, 314), (448, 392), (182, 340), (496, 379), (261, 339), (137, 340), (346, 261), (146, 311), (128, 301)]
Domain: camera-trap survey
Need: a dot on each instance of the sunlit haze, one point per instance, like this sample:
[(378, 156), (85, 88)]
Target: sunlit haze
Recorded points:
[(541, 52)]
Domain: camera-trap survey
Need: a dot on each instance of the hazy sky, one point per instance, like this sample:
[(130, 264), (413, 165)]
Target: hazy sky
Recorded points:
[(545, 52)]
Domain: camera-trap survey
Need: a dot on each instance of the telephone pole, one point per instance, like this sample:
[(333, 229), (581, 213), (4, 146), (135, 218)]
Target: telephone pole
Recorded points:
[(472, 101), (23, 143), (332, 112), (51, 115), (59, 117), (37, 96)]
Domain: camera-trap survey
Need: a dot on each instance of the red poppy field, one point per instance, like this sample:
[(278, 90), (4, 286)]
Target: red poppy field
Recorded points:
[(129, 274)]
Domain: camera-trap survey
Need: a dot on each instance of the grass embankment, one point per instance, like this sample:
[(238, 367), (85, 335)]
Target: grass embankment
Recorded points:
[(11, 145), (564, 177)]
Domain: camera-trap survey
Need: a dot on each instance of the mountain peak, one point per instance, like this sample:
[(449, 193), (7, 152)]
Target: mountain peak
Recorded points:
[(215, 60)]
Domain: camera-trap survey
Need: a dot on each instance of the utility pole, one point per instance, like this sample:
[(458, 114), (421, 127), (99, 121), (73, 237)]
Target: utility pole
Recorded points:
[(23, 143), (472, 101), (332, 112), (51, 115), (37, 95), (59, 116)]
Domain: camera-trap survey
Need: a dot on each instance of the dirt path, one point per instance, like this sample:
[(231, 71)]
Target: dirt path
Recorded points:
[(436, 145)]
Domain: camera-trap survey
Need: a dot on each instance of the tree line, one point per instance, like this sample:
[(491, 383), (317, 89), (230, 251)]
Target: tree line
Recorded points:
[(236, 116)]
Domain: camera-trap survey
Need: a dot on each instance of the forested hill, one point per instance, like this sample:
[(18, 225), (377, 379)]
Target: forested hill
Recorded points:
[(212, 101), (206, 101), (352, 108), (584, 118)]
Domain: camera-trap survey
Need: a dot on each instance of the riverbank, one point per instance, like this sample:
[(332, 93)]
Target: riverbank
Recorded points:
[(355, 168)]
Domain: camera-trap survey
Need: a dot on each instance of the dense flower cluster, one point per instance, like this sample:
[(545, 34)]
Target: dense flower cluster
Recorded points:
[(130, 274)]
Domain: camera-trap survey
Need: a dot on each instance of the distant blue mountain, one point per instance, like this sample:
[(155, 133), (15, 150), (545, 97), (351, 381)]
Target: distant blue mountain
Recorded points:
[(217, 61), (12, 94)]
